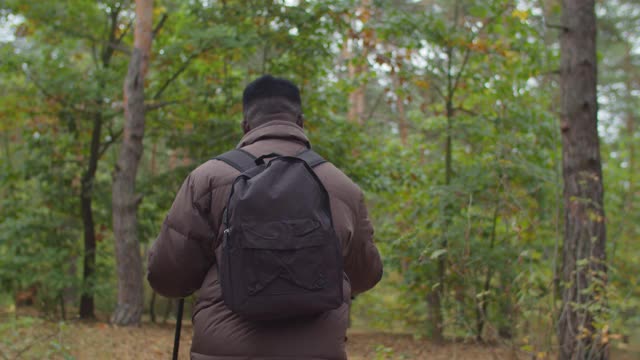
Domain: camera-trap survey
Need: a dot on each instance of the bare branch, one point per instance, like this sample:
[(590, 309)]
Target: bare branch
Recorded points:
[(108, 50), (556, 26), (462, 69), (156, 30), (173, 77), (551, 72), (158, 105), (113, 137), (94, 54), (119, 47), (442, 95), (467, 53), (124, 33), (182, 68), (374, 107), (467, 111)]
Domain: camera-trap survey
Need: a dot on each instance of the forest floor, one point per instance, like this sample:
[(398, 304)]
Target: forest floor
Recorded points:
[(34, 338)]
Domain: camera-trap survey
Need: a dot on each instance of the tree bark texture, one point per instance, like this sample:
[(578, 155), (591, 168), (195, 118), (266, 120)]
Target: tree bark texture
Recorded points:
[(402, 117), (124, 199), (434, 317), (631, 132), (88, 177), (583, 266), (357, 98), (86, 197)]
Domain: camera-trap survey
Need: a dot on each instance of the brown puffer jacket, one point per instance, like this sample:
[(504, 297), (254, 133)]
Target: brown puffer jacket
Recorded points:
[(182, 259)]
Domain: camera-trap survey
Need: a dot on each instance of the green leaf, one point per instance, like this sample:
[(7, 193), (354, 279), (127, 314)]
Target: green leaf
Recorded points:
[(436, 254)]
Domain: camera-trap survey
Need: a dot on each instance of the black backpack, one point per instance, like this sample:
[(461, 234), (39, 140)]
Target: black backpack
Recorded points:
[(281, 257)]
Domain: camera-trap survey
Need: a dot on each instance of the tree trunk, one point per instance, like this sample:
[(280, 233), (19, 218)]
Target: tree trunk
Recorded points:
[(435, 316), (483, 302), (435, 299), (583, 266), (448, 175), (357, 99), (402, 118), (86, 197), (124, 199), (87, 182), (629, 207)]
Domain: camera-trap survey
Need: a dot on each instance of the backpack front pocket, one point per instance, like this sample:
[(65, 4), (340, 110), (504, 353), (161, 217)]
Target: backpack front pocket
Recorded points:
[(283, 257)]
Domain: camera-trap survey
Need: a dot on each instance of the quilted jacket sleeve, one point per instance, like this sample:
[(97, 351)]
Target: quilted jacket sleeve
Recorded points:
[(362, 262), (181, 255)]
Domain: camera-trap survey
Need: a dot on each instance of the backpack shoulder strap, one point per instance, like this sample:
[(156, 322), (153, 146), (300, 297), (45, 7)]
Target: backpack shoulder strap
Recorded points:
[(311, 158), (239, 159)]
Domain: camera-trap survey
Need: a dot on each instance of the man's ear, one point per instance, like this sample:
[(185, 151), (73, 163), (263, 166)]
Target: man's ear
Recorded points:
[(300, 120), (245, 126)]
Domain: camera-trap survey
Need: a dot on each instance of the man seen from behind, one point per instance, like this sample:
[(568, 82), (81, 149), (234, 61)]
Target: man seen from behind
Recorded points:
[(203, 238)]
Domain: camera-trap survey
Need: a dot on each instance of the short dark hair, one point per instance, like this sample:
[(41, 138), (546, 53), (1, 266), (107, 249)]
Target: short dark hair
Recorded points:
[(267, 97), (269, 87)]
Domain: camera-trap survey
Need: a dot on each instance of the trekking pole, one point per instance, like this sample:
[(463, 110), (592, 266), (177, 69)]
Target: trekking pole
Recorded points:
[(176, 341)]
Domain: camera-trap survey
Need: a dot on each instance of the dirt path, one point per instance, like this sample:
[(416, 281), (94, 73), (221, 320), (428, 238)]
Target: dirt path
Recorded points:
[(78, 340), (102, 341)]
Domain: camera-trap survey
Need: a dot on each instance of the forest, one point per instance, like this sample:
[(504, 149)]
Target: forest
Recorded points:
[(496, 143)]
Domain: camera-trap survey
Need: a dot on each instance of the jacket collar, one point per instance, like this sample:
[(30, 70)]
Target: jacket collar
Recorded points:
[(275, 129)]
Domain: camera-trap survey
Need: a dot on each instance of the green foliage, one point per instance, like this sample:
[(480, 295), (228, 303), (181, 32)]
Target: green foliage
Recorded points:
[(383, 352), (24, 337), (480, 73)]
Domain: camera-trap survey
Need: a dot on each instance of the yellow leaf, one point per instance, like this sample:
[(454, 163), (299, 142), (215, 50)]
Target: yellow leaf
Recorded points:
[(520, 14), (159, 10), (422, 84), (509, 54)]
